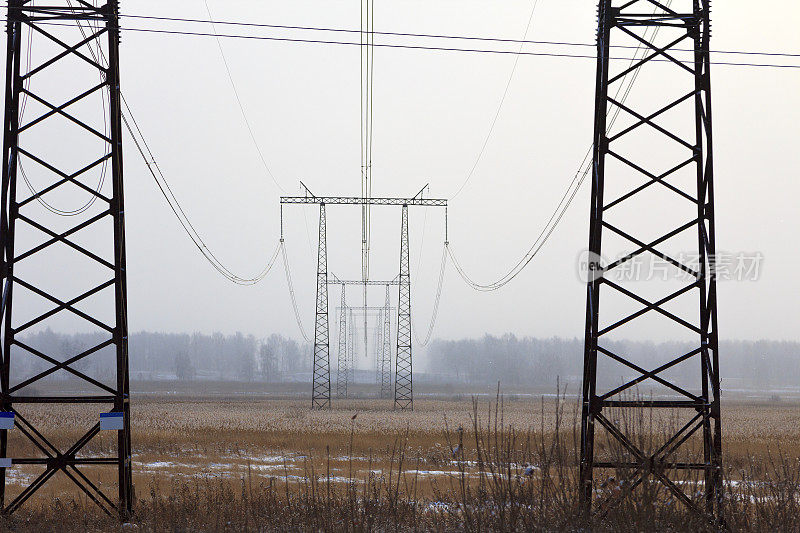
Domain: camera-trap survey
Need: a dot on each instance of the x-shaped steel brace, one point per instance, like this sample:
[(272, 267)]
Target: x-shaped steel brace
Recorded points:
[(60, 110), (56, 461), (653, 374), (653, 464), (66, 177), (649, 306), (61, 306), (653, 179), (57, 365), (67, 50), (649, 122), (643, 247), (62, 237), (658, 52), (71, 178)]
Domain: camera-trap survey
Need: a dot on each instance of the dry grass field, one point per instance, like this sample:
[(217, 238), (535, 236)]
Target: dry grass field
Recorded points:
[(250, 459)]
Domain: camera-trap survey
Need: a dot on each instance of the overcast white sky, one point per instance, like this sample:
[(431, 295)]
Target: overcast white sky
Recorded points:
[(432, 111)]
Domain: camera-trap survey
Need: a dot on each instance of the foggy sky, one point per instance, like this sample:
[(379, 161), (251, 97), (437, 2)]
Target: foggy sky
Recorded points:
[(432, 111)]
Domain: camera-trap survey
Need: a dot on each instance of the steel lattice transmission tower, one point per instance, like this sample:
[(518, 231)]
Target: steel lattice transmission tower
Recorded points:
[(383, 349), (383, 316), (403, 368), (351, 349), (403, 391), (385, 364), (84, 248), (321, 394), (658, 166), (341, 367), (378, 348)]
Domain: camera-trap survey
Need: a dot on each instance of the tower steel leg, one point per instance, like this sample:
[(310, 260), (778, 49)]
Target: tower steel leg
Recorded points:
[(87, 33), (378, 348), (351, 348), (403, 392), (321, 392), (341, 367), (386, 351), (122, 400), (685, 176)]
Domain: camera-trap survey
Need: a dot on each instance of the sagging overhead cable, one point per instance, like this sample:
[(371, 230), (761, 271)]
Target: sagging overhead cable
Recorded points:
[(100, 59), (438, 36), (166, 191), (436, 301), (163, 185), (291, 292), (239, 102), (366, 68), (499, 105), (566, 200), (439, 48)]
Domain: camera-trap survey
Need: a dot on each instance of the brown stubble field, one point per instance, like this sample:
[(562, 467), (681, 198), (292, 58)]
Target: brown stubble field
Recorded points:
[(222, 442), (218, 437)]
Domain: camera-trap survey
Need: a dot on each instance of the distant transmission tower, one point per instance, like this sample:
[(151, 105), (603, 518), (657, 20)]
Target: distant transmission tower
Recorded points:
[(385, 364), (321, 393), (659, 158), (379, 348), (403, 391), (341, 367), (381, 343), (63, 266), (351, 350)]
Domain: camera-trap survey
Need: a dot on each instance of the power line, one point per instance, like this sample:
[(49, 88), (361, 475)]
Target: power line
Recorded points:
[(437, 36), (367, 71), (165, 189), (239, 102), (423, 47), (99, 57), (292, 294), (564, 203), (499, 106), (163, 186), (436, 301), (176, 207)]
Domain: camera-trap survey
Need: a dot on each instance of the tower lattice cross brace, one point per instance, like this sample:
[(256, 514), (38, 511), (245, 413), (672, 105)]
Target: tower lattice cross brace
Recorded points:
[(64, 262), (321, 393), (652, 162), (403, 386)]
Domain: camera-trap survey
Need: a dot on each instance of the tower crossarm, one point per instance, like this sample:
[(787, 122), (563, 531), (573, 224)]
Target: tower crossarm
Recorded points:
[(362, 309), (357, 200), (333, 280)]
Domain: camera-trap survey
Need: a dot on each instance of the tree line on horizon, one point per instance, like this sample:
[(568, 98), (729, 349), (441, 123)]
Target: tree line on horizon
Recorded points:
[(532, 361), (154, 356), (508, 359)]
